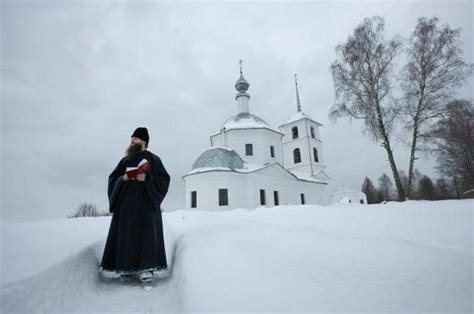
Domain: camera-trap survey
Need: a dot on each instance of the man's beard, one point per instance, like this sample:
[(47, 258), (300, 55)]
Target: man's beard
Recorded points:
[(133, 150)]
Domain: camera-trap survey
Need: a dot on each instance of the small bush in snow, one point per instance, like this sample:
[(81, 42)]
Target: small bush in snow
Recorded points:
[(86, 210)]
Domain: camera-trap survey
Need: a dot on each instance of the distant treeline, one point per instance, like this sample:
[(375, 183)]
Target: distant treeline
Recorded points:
[(424, 188)]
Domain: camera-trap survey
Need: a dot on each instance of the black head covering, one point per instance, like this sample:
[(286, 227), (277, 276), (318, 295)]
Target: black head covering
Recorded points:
[(141, 133)]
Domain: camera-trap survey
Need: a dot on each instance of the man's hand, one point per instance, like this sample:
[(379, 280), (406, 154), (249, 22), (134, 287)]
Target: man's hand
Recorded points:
[(141, 177), (126, 178)]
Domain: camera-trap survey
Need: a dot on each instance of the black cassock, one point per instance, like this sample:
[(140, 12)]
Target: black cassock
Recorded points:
[(135, 240)]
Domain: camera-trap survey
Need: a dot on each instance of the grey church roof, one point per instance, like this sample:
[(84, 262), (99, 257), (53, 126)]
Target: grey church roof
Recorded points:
[(219, 157)]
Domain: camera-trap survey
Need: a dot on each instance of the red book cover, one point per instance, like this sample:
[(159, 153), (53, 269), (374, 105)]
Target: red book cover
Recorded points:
[(143, 167)]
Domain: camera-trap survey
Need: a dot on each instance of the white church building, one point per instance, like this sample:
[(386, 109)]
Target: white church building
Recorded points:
[(250, 164)]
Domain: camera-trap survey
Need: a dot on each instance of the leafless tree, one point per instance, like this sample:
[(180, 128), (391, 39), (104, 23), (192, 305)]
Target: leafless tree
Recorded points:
[(434, 69), (362, 81), (442, 189), (385, 187), (426, 189), (403, 179), (453, 138), (370, 191), (85, 210)]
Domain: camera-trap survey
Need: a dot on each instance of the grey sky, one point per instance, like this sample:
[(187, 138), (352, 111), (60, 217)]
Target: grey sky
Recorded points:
[(78, 77)]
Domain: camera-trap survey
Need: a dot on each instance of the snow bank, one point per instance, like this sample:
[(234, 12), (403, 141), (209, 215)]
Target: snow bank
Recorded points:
[(412, 256)]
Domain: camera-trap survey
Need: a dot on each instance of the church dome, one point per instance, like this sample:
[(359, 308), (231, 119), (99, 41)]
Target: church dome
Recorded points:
[(245, 120), (242, 85), (219, 157)]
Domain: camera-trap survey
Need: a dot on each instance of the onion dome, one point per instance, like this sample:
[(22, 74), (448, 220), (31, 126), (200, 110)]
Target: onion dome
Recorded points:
[(242, 85)]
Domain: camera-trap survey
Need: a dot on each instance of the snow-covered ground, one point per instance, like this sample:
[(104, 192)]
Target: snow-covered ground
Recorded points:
[(405, 257)]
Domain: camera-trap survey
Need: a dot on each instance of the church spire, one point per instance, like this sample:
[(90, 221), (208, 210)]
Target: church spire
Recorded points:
[(298, 104)]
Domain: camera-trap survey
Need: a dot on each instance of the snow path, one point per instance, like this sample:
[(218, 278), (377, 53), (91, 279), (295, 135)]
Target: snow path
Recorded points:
[(75, 284)]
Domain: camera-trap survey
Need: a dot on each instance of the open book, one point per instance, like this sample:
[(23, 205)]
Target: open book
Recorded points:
[(143, 167)]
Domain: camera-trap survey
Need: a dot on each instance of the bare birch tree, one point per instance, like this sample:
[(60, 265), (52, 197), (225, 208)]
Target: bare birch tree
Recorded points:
[(362, 81), (434, 69)]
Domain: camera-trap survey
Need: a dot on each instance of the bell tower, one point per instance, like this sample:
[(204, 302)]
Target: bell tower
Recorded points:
[(301, 143)]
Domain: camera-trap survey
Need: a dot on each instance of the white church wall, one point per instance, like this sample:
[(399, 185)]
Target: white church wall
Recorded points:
[(207, 185), (271, 138), (289, 188), (244, 189), (261, 140), (314, 193)]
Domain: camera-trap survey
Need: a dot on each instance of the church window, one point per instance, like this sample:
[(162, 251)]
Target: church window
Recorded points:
[(193, 199), (272, 151), (248, 149), (296, 155), (315, 153), (312, 133), (223, 200), (275, 198), (294, 131), (262, 197), (302, 198)]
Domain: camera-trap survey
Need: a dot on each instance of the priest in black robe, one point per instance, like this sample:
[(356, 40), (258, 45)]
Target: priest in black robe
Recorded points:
[(135, 242)]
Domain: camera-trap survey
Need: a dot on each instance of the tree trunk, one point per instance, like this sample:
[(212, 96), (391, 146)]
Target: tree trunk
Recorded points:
[(393, 166), (456, 188), (386, 145), (412, 156)]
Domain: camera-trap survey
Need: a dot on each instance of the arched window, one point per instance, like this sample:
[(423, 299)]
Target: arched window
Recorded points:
[(294, 131), (296, 155), (312, 133), (315, 153)]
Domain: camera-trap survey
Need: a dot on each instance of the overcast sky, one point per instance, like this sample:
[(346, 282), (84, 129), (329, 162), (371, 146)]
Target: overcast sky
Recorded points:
[(77, 78)]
